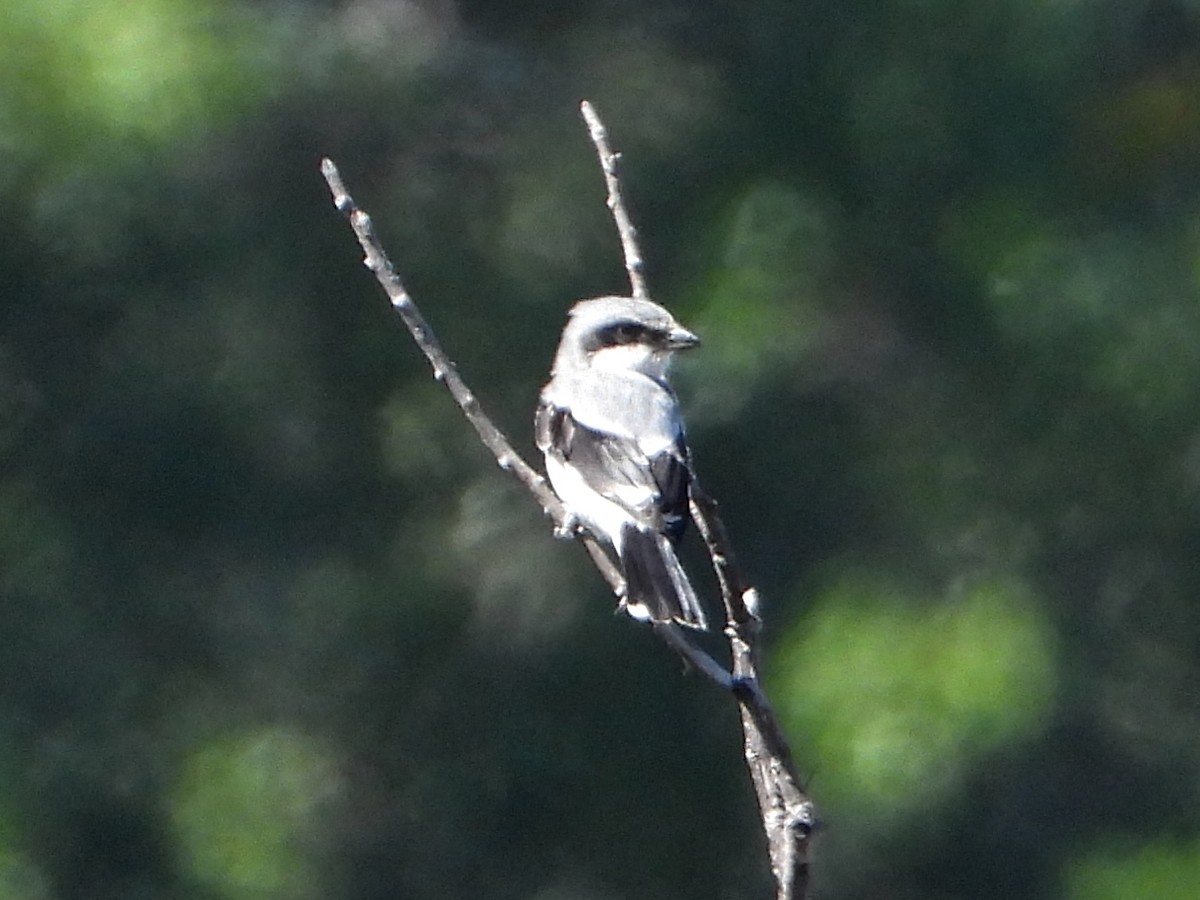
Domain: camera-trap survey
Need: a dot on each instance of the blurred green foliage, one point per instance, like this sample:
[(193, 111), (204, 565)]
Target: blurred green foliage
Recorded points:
[(240, 811), (274, 625), (19, 880), (902, 698), (80, 74), (1166, 869), (774, 254)]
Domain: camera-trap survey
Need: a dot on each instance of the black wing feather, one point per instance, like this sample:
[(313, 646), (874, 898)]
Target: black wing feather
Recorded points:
[(611, 464), (672, 473), (654, 578)]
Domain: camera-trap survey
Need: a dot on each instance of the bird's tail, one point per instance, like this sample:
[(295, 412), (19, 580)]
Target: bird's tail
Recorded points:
[(656, 586)]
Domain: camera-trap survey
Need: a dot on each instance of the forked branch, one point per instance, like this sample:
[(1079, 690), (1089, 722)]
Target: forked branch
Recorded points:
[(788, 816)]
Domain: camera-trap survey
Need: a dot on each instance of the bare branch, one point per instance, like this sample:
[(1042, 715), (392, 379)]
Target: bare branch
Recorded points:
[(609, 161), (788, 816), (444, 370)]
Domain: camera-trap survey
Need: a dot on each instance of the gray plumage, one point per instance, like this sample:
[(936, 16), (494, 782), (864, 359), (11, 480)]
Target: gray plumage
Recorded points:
[(609, 426)]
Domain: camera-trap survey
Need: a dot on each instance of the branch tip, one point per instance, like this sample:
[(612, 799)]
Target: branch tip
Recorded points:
[(625, 227), (341, 199)]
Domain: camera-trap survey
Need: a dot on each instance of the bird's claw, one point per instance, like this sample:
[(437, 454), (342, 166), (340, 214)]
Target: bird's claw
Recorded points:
[(567, 529)]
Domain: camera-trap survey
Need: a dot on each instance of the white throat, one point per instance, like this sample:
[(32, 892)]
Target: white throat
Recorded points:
[(639, 358)]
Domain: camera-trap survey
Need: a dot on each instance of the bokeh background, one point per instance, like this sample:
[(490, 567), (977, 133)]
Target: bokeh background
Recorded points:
[(274, 625)]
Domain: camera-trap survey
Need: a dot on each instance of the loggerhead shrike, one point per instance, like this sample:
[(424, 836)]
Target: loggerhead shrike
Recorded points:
[(609, 426)]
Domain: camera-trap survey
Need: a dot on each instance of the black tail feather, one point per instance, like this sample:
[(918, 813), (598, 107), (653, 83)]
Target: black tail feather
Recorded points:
[(655, 580)]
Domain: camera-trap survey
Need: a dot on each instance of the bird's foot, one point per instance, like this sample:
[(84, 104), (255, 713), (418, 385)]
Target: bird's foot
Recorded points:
[(568, 528)]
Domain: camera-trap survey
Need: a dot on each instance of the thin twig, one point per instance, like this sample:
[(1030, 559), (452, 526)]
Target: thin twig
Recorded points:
[(444, 370), (609, 161)]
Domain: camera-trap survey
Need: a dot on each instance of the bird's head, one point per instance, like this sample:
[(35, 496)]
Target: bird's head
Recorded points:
[(623, 334)]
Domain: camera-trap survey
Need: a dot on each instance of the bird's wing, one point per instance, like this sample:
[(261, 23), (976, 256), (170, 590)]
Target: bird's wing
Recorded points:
[(654, 489)]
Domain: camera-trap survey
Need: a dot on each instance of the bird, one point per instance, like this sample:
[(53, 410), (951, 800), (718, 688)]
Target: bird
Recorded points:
[(609, 426)]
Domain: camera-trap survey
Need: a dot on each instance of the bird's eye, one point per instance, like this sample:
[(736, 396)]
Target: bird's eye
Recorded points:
[(622, 333)]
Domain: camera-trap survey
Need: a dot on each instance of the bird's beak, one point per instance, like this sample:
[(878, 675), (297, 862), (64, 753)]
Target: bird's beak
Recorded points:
[(681, 339)]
